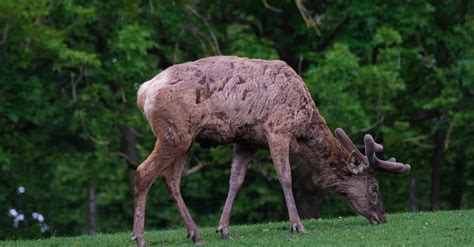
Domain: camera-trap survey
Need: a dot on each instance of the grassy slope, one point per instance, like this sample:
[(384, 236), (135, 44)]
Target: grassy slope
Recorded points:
[(455, 228)]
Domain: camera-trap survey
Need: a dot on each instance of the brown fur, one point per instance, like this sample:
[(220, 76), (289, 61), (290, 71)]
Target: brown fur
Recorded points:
[(255, 104)]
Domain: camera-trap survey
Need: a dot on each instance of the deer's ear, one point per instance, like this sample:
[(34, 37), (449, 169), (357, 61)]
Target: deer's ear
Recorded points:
[(355, 163)]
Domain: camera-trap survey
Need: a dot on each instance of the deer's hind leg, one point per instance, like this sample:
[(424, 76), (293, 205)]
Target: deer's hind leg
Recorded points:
[(166, 153), (172, 179)]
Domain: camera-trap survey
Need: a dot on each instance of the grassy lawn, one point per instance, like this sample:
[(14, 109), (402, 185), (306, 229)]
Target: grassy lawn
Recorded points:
[(453, 228)]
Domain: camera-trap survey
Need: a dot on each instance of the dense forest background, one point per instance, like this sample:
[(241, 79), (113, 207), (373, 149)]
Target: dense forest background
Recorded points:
[(71, 134)]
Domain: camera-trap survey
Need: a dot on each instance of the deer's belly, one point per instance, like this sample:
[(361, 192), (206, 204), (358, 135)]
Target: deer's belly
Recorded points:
[(247, 134)]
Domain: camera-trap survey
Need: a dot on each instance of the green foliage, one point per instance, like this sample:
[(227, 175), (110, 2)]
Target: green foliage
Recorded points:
[(69, 71), (247, 44)]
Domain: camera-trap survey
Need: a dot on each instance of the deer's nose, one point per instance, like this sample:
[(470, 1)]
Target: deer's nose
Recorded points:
[(383, 219), (377, 219)]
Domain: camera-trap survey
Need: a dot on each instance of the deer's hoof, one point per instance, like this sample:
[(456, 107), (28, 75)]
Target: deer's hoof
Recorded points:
[(194, 236), (224, 231), (298, 227)]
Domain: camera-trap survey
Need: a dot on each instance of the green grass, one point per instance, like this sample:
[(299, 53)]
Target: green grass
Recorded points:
[(454, 228)]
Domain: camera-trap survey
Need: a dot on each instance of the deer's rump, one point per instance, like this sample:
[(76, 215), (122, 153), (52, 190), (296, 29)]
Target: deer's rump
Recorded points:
[(228, 99)]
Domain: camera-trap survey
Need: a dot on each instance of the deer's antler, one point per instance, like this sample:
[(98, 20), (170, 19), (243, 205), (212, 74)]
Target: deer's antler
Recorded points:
[(391, 165), (371, 147)]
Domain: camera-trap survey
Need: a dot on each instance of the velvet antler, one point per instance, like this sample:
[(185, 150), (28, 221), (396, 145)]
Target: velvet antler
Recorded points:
[(371, 147), (391, 165)]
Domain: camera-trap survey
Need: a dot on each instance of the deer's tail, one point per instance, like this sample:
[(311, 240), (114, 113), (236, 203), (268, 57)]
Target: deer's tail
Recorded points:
[(141, 95), (146, 95)]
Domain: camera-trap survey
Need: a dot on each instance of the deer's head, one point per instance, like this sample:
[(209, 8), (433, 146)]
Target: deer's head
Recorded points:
[(360, 187)]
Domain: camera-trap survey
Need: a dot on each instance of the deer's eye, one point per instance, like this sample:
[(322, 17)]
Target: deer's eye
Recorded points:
[(373, 188)]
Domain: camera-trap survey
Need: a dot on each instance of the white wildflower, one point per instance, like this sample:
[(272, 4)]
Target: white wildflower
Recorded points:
[(12, 212), (17, 219), (20, 217), (21, 190), (40, 218), (44, 228)]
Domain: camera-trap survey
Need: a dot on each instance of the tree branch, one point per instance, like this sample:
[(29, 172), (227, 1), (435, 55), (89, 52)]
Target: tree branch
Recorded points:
[(133, 165), (448, 135), (194, 169), (417, 139), (75, 82), (214, 42), (379, 121), (252, 23), (96, 141), (268, 6), (328, 39), (7, 26), (5, 33), (306, 14), (200, 165)]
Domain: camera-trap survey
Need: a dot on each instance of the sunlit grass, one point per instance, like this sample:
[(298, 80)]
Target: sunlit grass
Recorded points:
[(454, 228)]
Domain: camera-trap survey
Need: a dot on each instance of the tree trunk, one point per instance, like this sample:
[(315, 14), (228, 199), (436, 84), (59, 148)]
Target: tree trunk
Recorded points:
[(437, 169), (91, 208), (129, 144), (412, 201), (459, 181), (308, 197), (309, 202)]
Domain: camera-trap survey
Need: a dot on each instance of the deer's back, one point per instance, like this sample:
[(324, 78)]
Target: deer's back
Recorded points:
[(228, 99)]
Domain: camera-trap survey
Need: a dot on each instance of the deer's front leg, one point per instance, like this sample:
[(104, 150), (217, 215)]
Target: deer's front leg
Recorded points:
[(240, 161), (279, 145)]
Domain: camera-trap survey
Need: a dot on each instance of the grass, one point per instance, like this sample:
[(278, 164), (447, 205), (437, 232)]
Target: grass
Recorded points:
[(445, 228)]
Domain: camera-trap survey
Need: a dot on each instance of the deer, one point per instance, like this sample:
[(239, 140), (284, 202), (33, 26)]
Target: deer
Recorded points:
[(252, 104)]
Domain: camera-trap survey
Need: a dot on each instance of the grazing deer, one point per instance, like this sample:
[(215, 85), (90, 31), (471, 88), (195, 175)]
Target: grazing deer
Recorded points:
[(254, 104)]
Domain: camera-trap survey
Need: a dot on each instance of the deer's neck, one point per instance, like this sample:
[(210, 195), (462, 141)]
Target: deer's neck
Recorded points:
[(323, 157)]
